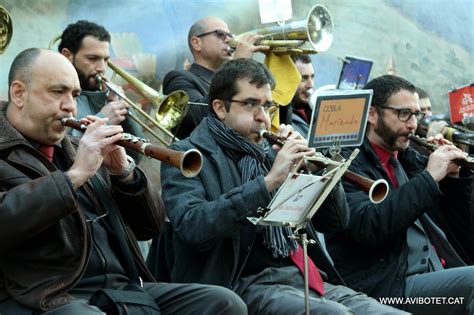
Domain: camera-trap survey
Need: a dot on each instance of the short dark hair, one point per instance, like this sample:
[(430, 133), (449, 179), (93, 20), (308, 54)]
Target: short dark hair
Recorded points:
[(301, 58), (21, 66), (385, 86), (421, 93), (223, 84), (74, 33)]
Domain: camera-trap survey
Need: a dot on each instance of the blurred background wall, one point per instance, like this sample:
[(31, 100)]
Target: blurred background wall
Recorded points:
[(429, 42)]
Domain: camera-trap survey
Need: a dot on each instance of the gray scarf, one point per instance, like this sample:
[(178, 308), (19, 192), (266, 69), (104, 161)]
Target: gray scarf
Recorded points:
[(251, 162)]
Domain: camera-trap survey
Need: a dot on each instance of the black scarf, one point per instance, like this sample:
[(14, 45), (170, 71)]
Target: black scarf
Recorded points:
[(251, 162)]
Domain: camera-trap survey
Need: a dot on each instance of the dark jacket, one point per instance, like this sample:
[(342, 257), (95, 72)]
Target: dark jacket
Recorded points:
[(371, 254), (195, 82), (44, 240), (208, 216)]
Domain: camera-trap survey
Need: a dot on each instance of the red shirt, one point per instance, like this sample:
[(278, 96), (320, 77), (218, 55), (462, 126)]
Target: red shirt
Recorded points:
[(384, 157)]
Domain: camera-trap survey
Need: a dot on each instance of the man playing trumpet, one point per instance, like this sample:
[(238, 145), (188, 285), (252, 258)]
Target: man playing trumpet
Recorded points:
[(208, 41)]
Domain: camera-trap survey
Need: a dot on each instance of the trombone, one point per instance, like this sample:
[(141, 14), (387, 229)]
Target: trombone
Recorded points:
[(170, 108), (316, 29)]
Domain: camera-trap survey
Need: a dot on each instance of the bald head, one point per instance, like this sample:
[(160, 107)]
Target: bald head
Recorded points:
[(23, 63), (208, 40), (21, 66), (43, 85), (202, 26)]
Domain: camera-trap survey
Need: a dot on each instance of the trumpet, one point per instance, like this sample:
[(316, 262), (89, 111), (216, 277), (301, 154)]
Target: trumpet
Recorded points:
[(377, 190), (316, 29), (189, 162), (468, 162)]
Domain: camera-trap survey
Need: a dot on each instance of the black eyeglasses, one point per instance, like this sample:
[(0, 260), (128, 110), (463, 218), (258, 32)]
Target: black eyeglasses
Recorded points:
[(222, 35), (405, 114), (253, 105)]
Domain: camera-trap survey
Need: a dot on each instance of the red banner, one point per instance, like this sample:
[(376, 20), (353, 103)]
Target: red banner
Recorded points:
[(461, 102)]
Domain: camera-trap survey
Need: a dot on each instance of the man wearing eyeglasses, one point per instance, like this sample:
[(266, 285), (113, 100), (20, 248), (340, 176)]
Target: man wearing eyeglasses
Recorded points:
[(395, 249), (208, 41), (214, 242)]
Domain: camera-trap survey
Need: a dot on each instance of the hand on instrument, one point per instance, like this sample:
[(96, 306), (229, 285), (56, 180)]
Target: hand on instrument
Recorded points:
[(246, 46), (441, 162), (96, 147), (438, 140), (288, 157), (286, 132), (115, 111)]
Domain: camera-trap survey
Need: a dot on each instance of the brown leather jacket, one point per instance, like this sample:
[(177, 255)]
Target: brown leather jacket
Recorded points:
[(44, 242)]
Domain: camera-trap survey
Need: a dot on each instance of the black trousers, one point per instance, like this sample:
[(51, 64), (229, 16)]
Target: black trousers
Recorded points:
[(449, 291), (281, 291), (172, 298)]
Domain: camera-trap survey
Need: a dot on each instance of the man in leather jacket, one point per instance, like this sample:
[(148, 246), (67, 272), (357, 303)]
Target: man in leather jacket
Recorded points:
[(70, 217)]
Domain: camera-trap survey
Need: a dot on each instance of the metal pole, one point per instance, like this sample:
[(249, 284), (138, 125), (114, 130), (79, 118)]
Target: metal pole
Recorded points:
[(304, 242)]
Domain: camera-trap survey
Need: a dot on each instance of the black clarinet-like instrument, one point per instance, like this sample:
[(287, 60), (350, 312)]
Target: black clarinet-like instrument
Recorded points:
[(468, 162)]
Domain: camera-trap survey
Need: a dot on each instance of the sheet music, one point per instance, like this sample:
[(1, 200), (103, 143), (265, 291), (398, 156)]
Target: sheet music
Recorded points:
[(301, 195), (294, 198)]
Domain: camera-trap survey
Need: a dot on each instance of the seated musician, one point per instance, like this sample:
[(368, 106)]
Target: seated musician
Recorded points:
[(394, 249), (208, 41), (70, 216), (214, 242)]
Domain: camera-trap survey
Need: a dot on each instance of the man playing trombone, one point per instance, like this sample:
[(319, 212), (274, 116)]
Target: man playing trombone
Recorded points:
[(86, 45)]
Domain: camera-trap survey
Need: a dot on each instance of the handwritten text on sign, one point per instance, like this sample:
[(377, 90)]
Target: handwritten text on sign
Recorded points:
[(340, 116)]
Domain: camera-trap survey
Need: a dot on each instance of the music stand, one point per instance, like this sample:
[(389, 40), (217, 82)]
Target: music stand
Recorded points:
[(298, 199), (339, 119)]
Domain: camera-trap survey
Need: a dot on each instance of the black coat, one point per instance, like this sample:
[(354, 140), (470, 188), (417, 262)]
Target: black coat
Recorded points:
[(209, 237), (195, 82), (371, 254)]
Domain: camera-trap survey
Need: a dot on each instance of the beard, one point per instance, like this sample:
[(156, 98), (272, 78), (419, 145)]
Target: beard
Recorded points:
[(297, 102), (88, 83), (389, 136)]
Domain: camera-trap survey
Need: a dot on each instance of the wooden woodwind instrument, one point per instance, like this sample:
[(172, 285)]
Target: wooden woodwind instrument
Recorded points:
[(377, 190), (189, 162)]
